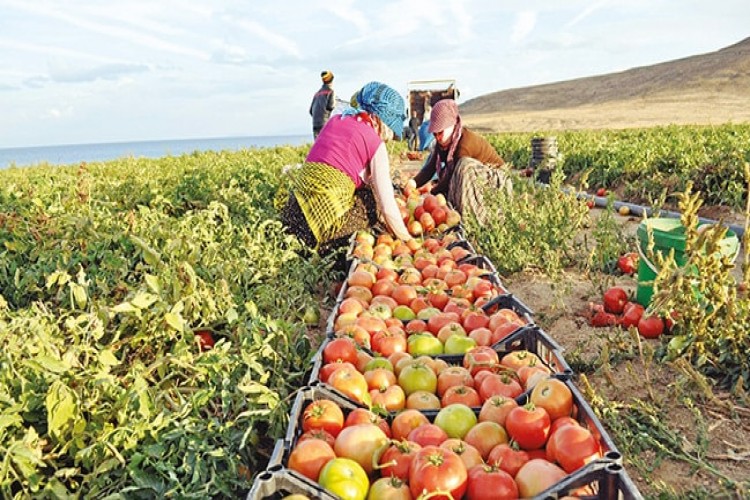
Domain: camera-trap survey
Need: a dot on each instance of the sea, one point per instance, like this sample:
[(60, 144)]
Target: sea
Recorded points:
[(68, 154)]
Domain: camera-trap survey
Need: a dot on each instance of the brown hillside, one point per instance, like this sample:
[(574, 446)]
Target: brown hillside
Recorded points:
[(709, 88)]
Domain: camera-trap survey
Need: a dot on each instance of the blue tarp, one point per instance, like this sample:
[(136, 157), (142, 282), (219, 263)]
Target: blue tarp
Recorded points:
[(425, 137)]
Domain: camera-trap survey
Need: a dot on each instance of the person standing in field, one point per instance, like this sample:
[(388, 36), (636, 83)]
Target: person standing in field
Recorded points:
[(414, 130), (345, 184), (322, 103), (465, 162)]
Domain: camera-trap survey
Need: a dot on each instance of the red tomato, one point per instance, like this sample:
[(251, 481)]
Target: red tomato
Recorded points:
[(365, 416), (537, 475), (500, 385), (602, 318), (615, 299), (480, 358), (437, 469), (469, 455), (323, 414), (508, 457), (397, 458), (573, 446), (631, 314), (496, 409), (427, 435), (205, 339), (460, 394), (554, 396), (387, 342), (406, 421), (601, 191), (308, 457), (486, 435), (317, 434), (628, 263), (452, 376), (340, 349), (528, 426), (650, 327), (487, 482)]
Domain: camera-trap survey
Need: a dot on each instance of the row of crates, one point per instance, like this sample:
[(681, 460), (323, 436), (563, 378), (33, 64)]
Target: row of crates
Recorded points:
[(605, 478)]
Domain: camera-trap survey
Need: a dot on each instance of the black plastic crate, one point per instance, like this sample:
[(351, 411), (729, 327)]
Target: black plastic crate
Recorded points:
[(277, 482), (606, 481)]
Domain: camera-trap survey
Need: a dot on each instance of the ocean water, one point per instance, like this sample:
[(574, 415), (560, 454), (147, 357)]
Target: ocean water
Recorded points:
[(75, 153)]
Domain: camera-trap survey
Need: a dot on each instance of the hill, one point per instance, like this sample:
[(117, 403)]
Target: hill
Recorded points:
[(708, 88)]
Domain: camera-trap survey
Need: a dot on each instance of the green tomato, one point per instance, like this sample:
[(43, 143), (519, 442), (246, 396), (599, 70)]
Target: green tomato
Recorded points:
[(427, 313), (456, 420), (346, 478), (458, 344), (404, 313), (378, 362), (420, 344), (417, 377)]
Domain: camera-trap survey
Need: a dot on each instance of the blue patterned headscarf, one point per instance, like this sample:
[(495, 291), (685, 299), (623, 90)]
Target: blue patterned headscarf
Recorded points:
[(380, 99)]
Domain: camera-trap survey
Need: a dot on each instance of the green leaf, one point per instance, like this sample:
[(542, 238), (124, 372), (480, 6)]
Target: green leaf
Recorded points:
[(174, 320), (62, 408), (107, 358), (124, 307), (79, 295), (143, 300), (153, 283)]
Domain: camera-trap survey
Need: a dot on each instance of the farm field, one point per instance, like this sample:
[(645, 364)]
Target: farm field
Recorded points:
[(149, 352)]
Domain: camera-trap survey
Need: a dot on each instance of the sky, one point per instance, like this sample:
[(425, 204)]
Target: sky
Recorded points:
[(78, 72)]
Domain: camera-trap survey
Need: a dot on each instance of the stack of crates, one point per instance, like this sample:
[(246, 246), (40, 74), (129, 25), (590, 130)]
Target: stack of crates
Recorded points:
[(604, 478)]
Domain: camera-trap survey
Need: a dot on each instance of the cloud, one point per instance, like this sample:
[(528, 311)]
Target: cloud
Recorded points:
[(523, 25), (585, 13), (67, 74), (286, 45)]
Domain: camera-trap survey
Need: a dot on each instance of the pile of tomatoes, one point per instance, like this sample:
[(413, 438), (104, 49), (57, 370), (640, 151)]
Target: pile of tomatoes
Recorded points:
[(617, 309), (416, 393)]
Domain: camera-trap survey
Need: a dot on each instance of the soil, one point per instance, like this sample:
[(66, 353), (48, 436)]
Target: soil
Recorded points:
[(638, 378)]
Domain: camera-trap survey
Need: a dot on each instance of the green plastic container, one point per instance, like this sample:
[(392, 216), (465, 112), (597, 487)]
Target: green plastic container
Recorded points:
[(669, 234)]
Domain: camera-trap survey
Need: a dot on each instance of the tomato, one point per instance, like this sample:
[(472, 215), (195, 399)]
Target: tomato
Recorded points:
[(389, 488), (406, 421), (420, 344), (380, 378), (601, 191), (309, 457), (487, 482), (386, 342), (437, 469), (496, 409), (480, 358), (469, 455), (397, 458), (423, 400), (554, 396), (439, 320), (516, 359), (350, 382), (417, 377), (528, 426), (486, 435), (341, 349), (602, 318), (537, 475), (456, 420), (499, 384), (359, 442), (427, 434), (508, 457), (317, 434), (452, 376), (615, 299), (390, 398), (573, 446), (628, 263), (365, 416), (650, 327), (461, 394), (346, 478), (631, 314), (205, 339), (323, 414)]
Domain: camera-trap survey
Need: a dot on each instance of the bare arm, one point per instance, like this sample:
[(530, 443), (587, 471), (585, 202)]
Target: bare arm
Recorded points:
[(380, 180)]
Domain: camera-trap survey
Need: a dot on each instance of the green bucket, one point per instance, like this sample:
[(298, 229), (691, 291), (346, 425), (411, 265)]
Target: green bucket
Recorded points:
[(669, 234)]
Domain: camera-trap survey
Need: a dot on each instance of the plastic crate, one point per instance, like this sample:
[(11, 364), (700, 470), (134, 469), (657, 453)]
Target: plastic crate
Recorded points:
[(277, 482), (509, 301), (606, 481)]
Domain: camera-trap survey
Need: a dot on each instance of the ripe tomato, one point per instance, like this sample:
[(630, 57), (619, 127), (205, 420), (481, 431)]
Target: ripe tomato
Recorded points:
[(469, 455), (508, 457), (628, 263), (573, 446), (390, 398), (423, 400), (632, 314), (650, 327), (528, 426), (537, 475), (340, 349), (351, 383), (406, 421), (451, 376), (397, 458), (317, 434), (460, 394), (486, 435), (601, 191), (427, 434), (323, 414), (496, 409), (479, 359), (554, 396), (205, 339), (487, 482), (437, 469), (499, 384), (365, 416), (345, 477), (615, 299), (310, 456), (516, 359)]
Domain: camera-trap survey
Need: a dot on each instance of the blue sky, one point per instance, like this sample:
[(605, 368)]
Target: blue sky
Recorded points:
[(93, 71)]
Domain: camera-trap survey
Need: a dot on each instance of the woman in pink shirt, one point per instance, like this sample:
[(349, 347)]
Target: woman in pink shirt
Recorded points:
[(345, 183)]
